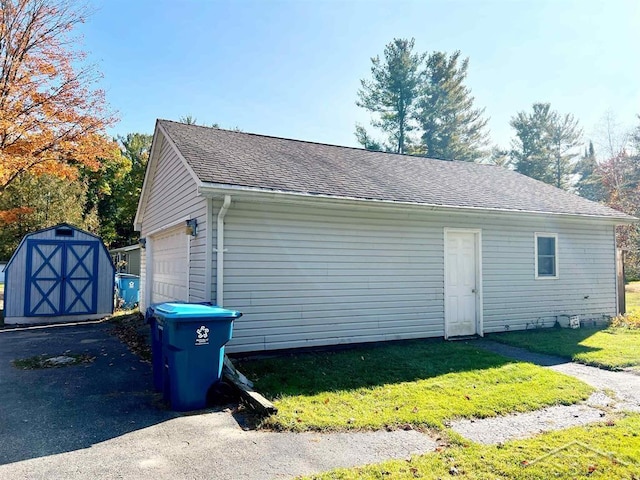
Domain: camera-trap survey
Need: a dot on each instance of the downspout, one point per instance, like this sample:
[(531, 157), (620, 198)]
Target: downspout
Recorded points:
[(220, 251)]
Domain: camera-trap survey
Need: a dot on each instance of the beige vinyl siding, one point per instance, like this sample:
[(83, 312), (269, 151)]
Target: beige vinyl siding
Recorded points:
[(321, 275), (514, 299), (306, 277), (173, 196)]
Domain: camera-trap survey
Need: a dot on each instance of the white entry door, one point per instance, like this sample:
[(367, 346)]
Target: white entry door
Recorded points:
[(462, 282)]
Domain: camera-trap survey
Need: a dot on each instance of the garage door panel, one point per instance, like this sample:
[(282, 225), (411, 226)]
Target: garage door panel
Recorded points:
[(170, 266)]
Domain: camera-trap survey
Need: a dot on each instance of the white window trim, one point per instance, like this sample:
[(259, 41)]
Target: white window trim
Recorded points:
[(535, 255)]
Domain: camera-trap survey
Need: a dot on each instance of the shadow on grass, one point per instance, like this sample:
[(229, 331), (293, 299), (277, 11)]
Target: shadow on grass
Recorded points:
[(310, 373), (560, 342)]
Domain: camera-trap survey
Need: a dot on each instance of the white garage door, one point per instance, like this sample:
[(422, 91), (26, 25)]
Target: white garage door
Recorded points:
[(170, 278)]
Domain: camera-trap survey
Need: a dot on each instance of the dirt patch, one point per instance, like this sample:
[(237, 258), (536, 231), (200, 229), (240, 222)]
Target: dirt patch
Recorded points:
[(66, 359), (132, 330)]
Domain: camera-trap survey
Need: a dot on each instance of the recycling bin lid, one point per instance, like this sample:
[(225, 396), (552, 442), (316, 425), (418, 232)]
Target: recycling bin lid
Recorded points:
[(194, 310)]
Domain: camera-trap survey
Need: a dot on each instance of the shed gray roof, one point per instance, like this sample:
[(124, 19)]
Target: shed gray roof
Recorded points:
[(278, 164)]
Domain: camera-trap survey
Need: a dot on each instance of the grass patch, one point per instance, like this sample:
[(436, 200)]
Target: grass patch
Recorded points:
[(420, 384), (67, 359), (601, 451), (610, 348), (632, 297)]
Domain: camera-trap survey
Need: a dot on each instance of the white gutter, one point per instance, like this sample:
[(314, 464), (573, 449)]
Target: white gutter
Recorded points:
[(220, 251)]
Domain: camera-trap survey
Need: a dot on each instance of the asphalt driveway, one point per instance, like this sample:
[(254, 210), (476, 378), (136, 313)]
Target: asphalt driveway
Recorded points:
[(102, 420), (55, 410)]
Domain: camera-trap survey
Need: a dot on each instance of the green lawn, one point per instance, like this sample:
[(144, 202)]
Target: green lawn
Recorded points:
[(611, 348), (632, 297), (421, 383), (602, 451)]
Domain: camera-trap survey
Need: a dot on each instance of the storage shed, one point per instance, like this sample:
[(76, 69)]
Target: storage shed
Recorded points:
[(59, 274)]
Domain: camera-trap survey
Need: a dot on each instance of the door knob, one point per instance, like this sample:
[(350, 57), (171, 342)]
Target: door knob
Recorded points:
[(473, 290)]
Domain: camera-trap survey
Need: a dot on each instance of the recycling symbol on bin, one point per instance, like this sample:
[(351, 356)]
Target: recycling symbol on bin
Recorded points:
[(203, 332)]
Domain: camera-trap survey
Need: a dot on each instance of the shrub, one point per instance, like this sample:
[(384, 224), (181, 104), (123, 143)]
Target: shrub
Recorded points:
[(630, 320)]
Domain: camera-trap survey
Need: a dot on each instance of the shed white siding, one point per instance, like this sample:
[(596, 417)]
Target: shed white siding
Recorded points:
[(172, 199), (319, 275)]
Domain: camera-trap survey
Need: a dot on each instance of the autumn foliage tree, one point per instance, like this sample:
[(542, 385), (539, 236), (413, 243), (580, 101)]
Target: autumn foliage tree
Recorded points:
[(52, 120)]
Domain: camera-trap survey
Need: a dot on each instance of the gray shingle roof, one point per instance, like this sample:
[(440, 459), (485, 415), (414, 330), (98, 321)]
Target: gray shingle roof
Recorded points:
[(278, 164)]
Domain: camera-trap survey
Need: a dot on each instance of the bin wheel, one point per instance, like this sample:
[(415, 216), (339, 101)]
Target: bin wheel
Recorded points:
[(222, 393)]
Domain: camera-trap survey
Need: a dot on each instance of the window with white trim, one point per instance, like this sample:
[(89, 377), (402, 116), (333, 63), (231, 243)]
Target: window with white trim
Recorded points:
[(546, 253)]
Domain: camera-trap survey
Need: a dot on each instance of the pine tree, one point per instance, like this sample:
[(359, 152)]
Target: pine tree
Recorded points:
[(452, 129), (392, 92), (544, 146), (365, 139), (565, 137), (589, 184)]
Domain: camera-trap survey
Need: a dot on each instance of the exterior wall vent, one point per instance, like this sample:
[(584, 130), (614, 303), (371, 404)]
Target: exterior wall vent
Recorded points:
[(64, 232)]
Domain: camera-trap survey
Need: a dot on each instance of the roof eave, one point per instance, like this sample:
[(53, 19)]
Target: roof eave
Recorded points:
[(208, 189)]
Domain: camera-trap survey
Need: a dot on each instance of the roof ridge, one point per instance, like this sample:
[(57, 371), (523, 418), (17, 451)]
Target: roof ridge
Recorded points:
[(359, 149)]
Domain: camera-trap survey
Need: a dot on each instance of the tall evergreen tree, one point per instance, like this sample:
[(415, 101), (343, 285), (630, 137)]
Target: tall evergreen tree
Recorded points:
[(452, 128), (392, 92), (565, 137), (589, 183), (530, 149), (544, 146)]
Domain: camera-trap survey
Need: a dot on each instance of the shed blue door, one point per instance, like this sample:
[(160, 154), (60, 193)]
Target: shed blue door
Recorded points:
[(61, 278)]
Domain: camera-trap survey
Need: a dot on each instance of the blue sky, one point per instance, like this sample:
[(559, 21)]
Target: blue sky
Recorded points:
[(292, 68)]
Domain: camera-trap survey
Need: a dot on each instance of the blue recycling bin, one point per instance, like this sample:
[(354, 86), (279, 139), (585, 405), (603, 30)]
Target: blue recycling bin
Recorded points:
[(127, 290), (156, 349), (192, 337)]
